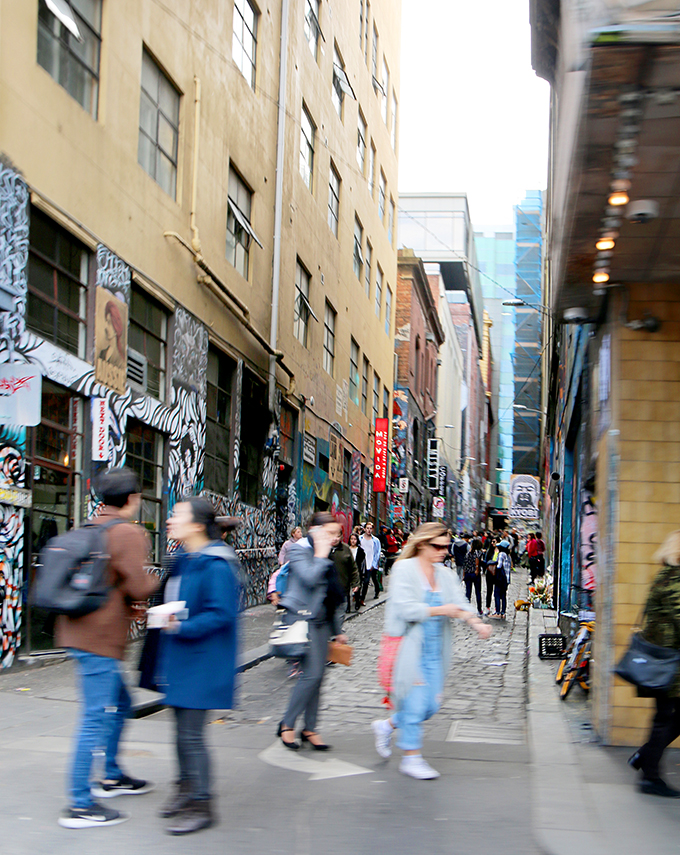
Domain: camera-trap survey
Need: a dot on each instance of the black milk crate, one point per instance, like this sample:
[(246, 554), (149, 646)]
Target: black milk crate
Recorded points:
[(551, 646)]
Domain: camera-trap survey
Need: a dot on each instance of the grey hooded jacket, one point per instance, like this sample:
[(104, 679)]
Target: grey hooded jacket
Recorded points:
[(308, 584)]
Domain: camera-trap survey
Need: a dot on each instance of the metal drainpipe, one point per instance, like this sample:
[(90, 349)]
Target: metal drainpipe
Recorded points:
[(278, 201), (195, 240)]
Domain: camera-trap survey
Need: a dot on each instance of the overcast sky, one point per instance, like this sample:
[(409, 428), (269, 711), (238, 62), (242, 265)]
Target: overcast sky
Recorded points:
[(474, 116)]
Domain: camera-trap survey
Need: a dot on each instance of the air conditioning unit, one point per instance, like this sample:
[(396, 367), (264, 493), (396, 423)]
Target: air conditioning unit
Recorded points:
[(136, 369)]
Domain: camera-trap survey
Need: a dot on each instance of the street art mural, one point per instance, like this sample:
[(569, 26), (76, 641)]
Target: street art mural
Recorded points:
[(182, 420), (588, 540)]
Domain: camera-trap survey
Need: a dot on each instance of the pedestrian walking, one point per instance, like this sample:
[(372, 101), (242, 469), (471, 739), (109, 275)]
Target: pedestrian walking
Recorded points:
[(662, 626), (490, 562), (460, 550), (472, 573), (346, 567), (359, 557), (502, 578), (314, 589), (295, 535), (392, 547), (540, 554), (532, 555), (197, 665), (424, 596), (96, 643), (371, 546)]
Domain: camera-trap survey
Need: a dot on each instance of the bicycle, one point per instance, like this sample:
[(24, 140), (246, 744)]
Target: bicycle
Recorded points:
[(575, 664)]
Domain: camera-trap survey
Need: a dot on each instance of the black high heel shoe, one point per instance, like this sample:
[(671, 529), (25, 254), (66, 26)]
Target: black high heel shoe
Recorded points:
[(294, 746), (318, 746)]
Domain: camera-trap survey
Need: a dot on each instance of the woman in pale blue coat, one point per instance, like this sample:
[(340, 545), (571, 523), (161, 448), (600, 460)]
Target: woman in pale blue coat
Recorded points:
[(424, 596)]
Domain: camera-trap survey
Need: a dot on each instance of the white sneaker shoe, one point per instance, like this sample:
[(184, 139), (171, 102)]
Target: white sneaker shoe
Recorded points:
[(417, 767), (382, 731)]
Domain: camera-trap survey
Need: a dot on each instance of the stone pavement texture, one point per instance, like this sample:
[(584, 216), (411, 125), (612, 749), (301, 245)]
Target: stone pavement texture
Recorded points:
[(271, 800)]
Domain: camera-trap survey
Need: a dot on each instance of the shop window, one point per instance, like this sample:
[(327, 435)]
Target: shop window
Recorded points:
[(145, 456), (147, 340), (57, 284), (73, 62), (218, 425), (254, 428)]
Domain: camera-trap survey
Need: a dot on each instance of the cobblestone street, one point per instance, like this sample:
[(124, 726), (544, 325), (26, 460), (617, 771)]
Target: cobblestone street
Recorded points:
[(484, 697)]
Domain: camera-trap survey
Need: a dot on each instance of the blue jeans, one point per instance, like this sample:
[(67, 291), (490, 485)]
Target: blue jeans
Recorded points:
[(105, 704)]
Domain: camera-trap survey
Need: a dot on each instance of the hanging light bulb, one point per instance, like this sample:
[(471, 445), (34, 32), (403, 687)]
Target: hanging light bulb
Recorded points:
[(600, 276), (618, 198), (605, 243)]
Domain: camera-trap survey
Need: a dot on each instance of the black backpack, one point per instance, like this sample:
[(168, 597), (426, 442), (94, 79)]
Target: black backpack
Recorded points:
[(71, 574)]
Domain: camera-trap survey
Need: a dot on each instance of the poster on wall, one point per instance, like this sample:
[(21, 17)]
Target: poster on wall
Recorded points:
[(335, 459), (525, 491), (20, 394), (355, 473), (309, 449), (110, 340), (100, 429)]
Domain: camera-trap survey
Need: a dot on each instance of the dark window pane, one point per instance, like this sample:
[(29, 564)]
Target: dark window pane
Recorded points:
[(40, 316), (68, 332)]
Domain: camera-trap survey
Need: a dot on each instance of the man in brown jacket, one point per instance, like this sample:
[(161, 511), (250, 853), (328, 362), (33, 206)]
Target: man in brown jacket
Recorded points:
[(96, 642)]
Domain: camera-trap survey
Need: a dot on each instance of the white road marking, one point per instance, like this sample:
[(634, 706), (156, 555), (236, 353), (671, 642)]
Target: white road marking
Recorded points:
[(318, 770)]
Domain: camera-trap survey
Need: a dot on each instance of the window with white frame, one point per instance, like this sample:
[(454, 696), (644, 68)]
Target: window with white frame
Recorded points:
[(307, 135), (312, 27), (361, 142), (378, 290), (354, 372), (393, 135), (390, 221), (329, 339), (333, 200), (376, 396), (364, 387), (73, 61), (382, 193), (239, 230), (385, 90), (358, 242), (368, 258), (388, 309), (371, 168), (302, 307), (158, 125), (244, 39)]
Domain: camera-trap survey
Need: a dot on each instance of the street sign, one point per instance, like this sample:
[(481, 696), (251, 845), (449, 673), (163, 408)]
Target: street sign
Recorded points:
[(441, 486), (403, 485), (438, 505), (100, 429)]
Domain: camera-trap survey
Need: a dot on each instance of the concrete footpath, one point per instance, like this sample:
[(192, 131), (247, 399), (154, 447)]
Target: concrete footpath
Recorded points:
[(583, 794)]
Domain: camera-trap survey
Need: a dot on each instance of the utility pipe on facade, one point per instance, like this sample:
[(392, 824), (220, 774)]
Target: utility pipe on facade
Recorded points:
[(195, 240), (278, 203)]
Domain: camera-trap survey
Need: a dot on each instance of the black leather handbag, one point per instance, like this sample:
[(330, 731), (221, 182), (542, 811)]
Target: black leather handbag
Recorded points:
[(648, 666)]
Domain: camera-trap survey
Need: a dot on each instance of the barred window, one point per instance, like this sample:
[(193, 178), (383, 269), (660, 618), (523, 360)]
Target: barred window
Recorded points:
[(244, 39), (307, 135), (354, 372), (333, 200), (72, 62), (158, 125)]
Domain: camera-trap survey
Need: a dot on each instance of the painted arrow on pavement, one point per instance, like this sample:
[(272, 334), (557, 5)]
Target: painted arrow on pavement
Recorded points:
[(318, 770)]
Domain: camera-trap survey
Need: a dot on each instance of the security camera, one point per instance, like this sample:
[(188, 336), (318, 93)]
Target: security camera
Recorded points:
[(642, 211), (575, 315)]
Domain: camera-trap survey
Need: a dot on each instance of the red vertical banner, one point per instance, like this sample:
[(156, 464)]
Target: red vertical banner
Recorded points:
[(380, 456)]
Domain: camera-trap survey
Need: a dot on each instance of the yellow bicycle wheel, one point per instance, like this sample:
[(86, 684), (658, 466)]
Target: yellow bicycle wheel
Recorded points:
[(560, 671), (567, 684)]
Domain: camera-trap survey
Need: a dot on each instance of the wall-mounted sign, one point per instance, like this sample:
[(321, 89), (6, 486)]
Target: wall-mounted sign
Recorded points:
[(355, 473), (524, 494), (432, 463), (380, 456), (17, 496), (335, 459), (20, 394), (100, 428), (110, 341), (438, 505), (403, 485), (309, 449), (441, 484)]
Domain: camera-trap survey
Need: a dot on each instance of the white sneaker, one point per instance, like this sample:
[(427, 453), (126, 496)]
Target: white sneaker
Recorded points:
[(382, 731), (417, 767)]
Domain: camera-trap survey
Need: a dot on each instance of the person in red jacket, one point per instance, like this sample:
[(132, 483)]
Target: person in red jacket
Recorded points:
[(532, 552)]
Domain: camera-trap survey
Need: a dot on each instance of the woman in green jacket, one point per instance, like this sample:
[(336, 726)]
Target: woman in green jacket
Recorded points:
[(662, 627)]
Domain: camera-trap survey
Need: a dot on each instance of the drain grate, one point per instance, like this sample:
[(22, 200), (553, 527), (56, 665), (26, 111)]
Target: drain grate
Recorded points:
[(491, 734)]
